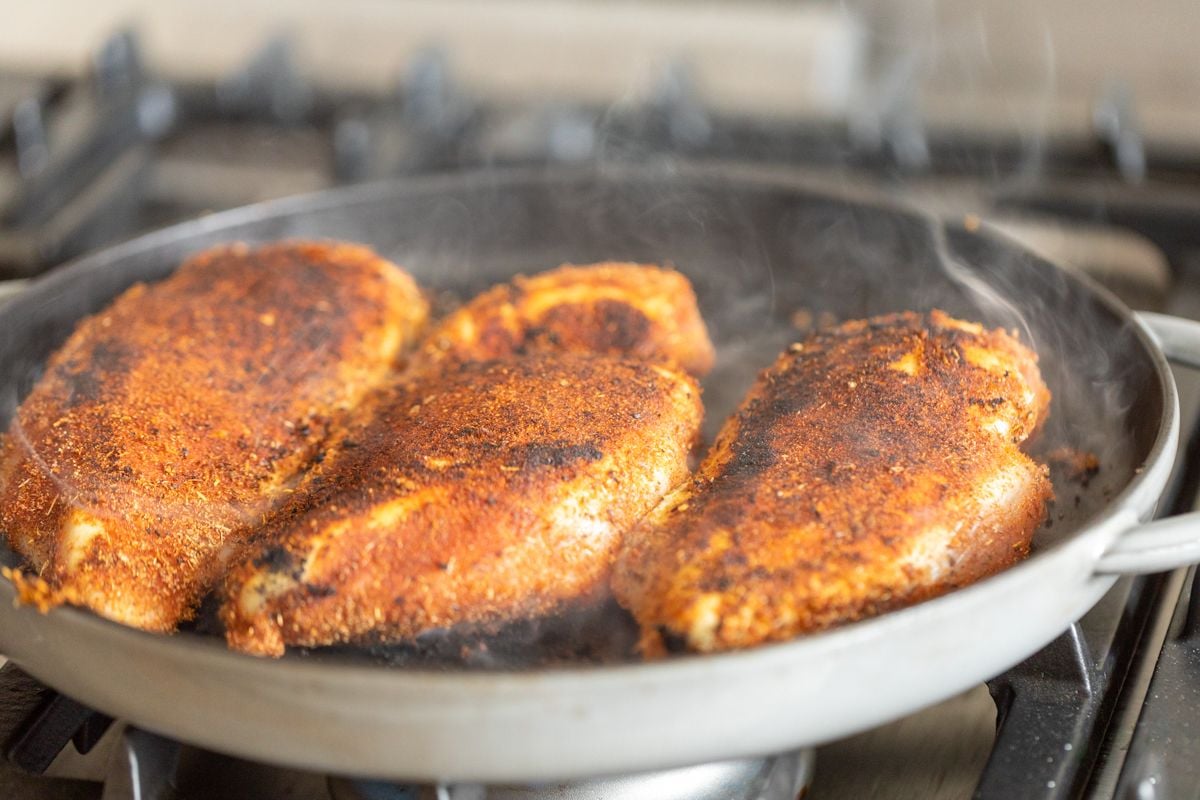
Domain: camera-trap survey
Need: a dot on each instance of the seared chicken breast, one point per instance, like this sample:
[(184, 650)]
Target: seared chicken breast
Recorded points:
[(875, 464), (171, 422), (482, 492), (634, 310)]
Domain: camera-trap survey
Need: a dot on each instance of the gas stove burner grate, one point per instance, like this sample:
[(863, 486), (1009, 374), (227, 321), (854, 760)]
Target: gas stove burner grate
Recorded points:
[(783, 777)]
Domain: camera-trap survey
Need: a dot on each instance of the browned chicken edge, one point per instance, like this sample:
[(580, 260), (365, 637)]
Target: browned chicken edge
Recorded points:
[(620, 309), (173, 420), (874, 465), (488, 492)]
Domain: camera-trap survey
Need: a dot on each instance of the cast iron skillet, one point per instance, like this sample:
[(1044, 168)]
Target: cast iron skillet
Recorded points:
[(758, 248)]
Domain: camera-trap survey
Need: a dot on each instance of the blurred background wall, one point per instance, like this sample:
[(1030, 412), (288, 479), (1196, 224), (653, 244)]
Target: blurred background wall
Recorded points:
[(1032, 65)]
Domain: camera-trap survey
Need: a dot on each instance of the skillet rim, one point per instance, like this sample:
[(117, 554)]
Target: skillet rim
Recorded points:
[(1146, 481)]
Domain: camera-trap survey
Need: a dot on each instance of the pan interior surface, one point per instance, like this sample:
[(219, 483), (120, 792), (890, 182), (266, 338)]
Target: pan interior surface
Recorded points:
[(763, 256)]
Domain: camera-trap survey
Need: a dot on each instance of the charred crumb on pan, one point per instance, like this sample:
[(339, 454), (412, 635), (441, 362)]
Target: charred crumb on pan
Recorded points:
[(1077, 466), (806, 320)]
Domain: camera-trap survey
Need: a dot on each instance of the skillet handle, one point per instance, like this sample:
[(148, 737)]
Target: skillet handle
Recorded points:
[(1179, 338), (1158, 546), (1173, 542)]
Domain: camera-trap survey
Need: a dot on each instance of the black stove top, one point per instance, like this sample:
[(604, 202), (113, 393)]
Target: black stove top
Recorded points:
[(1106, 710)]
